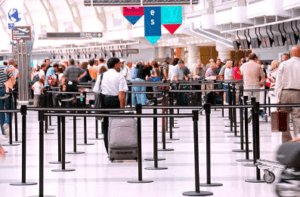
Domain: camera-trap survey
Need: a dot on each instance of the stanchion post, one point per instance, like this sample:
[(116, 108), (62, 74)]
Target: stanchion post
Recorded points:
[(139, 135), (241, 119), (197, 191), (23, 183), (207, 108), (16, 116)]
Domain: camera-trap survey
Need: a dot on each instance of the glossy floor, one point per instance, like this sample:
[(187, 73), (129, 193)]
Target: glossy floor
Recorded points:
[(95, 175)]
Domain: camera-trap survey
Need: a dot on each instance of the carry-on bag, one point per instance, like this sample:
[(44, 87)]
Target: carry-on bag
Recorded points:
[(122, 139), (279, 121), (289, 155)]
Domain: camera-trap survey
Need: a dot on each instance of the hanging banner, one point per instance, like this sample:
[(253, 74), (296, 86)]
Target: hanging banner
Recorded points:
[(14, 12), (171, 17), (152, 24), (133, 14)]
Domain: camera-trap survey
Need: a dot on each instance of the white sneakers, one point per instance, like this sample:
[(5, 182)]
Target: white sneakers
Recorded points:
[(6, 130)]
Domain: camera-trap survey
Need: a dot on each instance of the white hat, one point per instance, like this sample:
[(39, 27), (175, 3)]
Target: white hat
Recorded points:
[(122, 60)]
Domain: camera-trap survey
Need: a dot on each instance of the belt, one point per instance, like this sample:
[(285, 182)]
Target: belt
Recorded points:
[(292, 89), (108, 96)]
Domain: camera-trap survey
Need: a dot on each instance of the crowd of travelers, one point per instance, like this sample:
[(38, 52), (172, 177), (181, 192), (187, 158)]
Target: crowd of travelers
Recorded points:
[(111, 79)]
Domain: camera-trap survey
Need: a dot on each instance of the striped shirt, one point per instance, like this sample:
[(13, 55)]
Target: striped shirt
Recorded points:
[(3, 75), (72, 73)]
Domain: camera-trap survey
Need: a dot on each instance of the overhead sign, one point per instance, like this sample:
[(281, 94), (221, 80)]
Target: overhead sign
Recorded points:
[(75, 35), (152, 24), (21, 33), (130, 51), (137, 2), (14, 12), (133, 14), (171, 17)]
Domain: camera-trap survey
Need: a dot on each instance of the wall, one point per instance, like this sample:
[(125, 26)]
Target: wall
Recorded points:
[(271, 53)]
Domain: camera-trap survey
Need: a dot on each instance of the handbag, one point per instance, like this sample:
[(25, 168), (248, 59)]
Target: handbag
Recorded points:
[(279, 121)]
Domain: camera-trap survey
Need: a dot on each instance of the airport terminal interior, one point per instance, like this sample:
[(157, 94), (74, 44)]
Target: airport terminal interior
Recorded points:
[(138, 98)]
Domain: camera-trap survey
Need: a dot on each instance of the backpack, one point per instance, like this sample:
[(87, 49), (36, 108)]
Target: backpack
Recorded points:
[(52, 80), (35, 79)]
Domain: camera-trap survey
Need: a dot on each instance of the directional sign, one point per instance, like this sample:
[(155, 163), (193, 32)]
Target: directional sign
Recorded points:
[(21, 33), (91, 35), (74, 35), (130, 51)]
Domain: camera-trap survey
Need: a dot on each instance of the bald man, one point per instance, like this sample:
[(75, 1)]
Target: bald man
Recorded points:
[(287, 90)]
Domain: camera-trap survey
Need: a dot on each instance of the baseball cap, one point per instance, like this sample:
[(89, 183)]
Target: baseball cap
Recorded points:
[(168, 58)]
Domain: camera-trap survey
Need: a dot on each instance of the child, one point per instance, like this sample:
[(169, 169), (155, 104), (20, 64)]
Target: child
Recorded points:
[(38, 88)]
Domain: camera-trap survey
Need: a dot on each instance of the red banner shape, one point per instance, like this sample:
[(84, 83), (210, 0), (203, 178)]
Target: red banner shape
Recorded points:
[(133, 11), (172, 28)]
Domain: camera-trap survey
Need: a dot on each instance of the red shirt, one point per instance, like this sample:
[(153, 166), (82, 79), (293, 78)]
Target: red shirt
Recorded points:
[(237, 73)]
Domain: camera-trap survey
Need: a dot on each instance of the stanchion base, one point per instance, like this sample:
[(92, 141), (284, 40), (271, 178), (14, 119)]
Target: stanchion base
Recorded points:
[(23, 184), (10, 144), (211, 185), (50, 129), (233, 136), (48, 133), (154, 168), (244, 160), (152, 159), (240, 151), (17, 142), (228, 132), (176, 128), (240, 142), (254, 181), (142, 181), (173, 139), (167, 149), (96, 138), (58, 162), (87, 144), (201, 193), (250, 165), (42, 196), (222, 116), (233, 126), (63, 170), (74, 153)]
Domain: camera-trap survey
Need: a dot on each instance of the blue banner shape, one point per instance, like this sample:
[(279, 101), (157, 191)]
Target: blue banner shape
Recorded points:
[(171, 15), (133, 19), (152, 21), (152, 39)]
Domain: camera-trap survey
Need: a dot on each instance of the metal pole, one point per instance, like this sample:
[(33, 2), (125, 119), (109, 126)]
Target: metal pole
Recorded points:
[(24, 113), (197, 191)]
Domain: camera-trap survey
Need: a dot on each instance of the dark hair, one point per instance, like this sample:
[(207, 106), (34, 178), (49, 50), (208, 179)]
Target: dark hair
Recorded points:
[(46, 60), (101, 59), (112, 62), (252, 56), (155, 64), (236, 63), (60, 70), (5, 63), (55, 65), (43, 65), (42, 81), (72, 61), (84, 65), (140, 71), (175, 61), (180, 62), (91, 62), (285, 54), (102, 69)]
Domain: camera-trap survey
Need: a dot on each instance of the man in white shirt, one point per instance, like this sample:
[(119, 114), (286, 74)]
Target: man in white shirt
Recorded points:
[(287, 90), (102, 63), (42, 71), (171, 68), (127, 74), (113, 88)]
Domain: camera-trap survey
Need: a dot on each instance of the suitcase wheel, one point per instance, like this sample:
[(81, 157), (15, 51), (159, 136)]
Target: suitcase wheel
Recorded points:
[(269, 177)]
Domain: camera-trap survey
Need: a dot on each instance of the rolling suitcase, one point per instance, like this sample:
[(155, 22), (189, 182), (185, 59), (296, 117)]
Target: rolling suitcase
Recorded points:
[(122, 139), (289, 154), (279, 121)]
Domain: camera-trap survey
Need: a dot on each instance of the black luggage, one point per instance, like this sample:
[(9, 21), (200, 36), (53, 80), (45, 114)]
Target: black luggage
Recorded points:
[(289, 155)]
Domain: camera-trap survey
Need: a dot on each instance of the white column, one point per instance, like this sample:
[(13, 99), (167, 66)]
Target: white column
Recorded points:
[(161, 52), (193, 55), (224, 51)]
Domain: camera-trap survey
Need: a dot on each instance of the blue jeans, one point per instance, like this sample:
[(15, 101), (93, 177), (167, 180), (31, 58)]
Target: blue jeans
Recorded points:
[(140, 98), (4, 117), (225, 87)]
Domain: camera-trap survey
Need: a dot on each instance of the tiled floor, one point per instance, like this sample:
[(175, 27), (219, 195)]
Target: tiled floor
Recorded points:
[(95, 175)]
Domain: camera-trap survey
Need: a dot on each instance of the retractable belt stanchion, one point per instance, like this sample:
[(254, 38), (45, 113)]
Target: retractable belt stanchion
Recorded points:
[(208, 183), (233, 111), (63, 149), (74, 138), (139, 130), (164, 127), (23, 183), (41, 156), (16, 116), (257, 148), (197, 191), (230, 114), (155, 156), (172, 118), (155, 152), (254, 124), (10, 142), (46, 117)]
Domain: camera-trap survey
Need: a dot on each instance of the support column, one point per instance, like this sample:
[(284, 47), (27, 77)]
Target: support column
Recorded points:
[(224, 51), (193, 55), (161, 52)]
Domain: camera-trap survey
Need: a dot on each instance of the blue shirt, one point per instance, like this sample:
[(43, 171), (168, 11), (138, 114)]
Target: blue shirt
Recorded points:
[(134, 72), (50, 72)]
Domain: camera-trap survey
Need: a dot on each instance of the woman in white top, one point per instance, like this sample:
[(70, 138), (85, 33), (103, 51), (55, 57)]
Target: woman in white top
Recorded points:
[(228, 75)]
